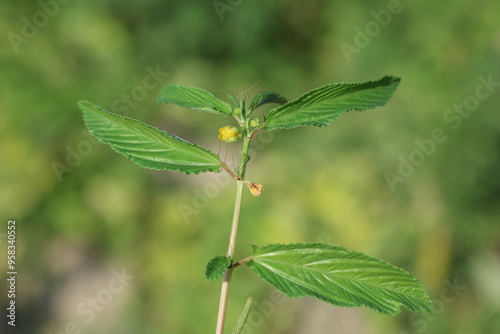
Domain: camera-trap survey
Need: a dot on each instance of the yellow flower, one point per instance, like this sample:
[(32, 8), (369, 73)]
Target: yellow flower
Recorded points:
[(229, 134)]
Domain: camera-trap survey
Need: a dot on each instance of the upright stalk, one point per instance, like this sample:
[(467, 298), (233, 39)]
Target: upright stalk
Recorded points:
[(226, 280)]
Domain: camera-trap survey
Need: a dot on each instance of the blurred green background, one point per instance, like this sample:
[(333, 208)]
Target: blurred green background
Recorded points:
[(86, 215)]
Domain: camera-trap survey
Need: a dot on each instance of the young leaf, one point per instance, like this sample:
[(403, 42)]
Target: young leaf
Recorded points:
[(266, 97), (216, 267), (323, 105), (339, 276), (242, 319), (193, 98), (145, 145)]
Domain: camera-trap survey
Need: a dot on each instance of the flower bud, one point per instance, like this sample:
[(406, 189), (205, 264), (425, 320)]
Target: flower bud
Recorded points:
[(255, 188), (229, 134), (254, 122)]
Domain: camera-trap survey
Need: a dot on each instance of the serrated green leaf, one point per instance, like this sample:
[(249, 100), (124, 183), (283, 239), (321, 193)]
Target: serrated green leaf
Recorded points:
[(193, 98), (266, 97), (242, 319), (146, 145), (216, 267), (323, 105), (339, 276)]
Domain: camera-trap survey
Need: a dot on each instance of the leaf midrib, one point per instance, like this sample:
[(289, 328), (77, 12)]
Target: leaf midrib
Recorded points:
[(324, 273), (309, 100), (114, 122)]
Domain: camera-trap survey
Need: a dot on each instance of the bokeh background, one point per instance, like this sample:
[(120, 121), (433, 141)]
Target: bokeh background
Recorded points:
[(86, 215)]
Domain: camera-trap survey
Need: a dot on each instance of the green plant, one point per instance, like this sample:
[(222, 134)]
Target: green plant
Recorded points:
[(328, 272)]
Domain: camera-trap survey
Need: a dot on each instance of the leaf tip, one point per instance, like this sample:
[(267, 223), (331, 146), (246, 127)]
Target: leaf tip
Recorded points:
[(83, 104)]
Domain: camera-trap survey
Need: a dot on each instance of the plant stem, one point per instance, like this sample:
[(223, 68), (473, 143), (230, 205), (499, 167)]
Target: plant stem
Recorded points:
[(236, 219), (244, 156), (226, 280)]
